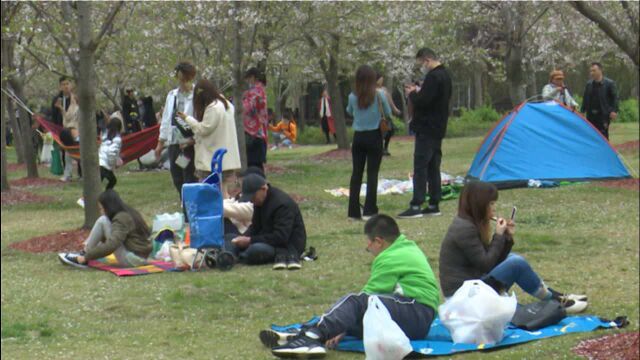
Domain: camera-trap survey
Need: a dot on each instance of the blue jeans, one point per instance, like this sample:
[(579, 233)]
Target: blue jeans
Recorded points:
[(515, 269)]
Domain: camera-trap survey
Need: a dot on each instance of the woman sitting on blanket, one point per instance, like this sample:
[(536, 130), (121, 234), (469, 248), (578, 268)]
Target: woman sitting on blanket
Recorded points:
[(120, 231), (468, 251)]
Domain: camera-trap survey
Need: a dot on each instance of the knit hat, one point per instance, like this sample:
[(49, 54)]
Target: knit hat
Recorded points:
[(556, 74)]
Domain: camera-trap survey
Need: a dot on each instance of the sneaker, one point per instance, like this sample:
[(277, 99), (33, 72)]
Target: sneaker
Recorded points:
[(432, 210), (272, 338), (574, 297), (366, 217), (293, 263), (386, 153), (574, 307), (71, 259), (80, 202), (300, 347), (65, 179), (274, 147), (280, 263), (412, 212)]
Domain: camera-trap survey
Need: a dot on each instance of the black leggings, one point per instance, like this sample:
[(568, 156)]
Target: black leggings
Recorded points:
[(366, 149), (109, 175)]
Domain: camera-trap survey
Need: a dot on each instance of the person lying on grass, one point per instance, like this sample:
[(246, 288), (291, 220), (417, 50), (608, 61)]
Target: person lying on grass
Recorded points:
[(402, 278), (121, 231), (468, 251)]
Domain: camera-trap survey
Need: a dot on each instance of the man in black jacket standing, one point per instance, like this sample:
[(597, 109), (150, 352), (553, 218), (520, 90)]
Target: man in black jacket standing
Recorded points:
[(600, 101), (277, 233), (429, 123)]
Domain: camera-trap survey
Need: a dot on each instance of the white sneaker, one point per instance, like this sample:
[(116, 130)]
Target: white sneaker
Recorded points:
[(574, 297), (274, 147), (574, 307), (80, 202)]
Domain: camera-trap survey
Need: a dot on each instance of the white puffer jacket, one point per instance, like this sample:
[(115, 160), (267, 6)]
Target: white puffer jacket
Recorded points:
[(110, 152)]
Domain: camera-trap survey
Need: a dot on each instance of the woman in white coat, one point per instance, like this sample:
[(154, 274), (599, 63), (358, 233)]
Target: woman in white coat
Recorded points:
[(213, 128)]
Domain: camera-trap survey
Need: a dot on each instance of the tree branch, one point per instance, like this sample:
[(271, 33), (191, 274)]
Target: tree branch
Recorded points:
[(537, 18), (43, 63), (630, 49), (106, 25), (633, 18), (64, 47)]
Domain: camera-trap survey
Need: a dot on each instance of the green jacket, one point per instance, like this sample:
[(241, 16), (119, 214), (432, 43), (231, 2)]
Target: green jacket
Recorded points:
[(123, 232), (403, 269)]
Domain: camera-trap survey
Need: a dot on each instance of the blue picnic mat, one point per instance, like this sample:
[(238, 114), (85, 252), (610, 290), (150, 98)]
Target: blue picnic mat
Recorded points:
[(439, 341)]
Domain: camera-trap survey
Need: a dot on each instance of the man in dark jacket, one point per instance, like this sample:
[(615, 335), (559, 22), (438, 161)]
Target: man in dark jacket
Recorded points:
[(277, 232), (429, 123), (62, 100), (130, 112), (600, 101)]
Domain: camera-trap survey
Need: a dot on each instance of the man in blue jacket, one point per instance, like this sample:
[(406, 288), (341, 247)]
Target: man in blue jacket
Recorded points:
[(429, 123)]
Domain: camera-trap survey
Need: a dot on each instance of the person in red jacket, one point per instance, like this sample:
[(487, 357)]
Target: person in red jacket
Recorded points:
[(326, 119)]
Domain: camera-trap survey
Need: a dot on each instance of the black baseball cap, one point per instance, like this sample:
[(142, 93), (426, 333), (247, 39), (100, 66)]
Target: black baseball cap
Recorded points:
[(253, 170), (250, 185)]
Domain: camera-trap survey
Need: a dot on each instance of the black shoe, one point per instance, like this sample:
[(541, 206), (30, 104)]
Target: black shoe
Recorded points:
[(432, 210), (71, 259), (280, 263), (272, 338), (386, 153), (293, 262), (300, 347), (412, 212)]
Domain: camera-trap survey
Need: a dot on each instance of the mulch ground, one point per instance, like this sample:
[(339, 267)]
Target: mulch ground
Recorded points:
[(610, 347), (16, 166), (628, 146), (274, 170), (37, 182), (629, 184), (71, 240), (335, 154), (17, 196)]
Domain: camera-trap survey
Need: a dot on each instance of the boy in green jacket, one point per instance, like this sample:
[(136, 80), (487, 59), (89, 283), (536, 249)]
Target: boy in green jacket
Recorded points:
[(401, 277)]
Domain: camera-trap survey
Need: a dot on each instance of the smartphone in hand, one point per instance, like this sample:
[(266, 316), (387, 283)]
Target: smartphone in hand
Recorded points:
[(513, 213)]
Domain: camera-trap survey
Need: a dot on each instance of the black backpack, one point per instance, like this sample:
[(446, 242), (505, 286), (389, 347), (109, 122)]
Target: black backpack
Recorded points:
[(538, 315)]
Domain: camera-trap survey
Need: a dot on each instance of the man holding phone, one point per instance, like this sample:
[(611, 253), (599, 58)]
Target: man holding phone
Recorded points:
[(174, 132)]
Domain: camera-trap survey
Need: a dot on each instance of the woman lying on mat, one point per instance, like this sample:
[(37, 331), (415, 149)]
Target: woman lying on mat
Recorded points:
[(468, 251), (120, 231)]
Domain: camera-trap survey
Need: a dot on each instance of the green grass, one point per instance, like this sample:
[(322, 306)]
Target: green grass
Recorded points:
[(580, 238)]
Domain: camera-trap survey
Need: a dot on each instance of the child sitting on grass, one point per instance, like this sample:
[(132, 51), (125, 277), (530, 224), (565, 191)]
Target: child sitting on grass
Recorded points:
[(285, 132), (401, 277), (121, 231)]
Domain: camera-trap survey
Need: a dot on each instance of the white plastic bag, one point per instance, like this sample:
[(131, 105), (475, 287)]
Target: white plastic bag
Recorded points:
[(383, 339), (164, 254), (477, 314), (173, 221)]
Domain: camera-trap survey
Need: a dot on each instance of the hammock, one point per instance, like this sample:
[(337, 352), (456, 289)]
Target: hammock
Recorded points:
[(133, 145)]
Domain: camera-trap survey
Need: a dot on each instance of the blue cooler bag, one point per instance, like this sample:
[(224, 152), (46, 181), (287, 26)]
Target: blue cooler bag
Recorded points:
[(203, 204)]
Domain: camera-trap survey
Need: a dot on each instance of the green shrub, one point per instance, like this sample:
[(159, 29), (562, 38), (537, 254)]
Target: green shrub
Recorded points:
[(484, 114), (628, 111), (313, 135), (461, 127)]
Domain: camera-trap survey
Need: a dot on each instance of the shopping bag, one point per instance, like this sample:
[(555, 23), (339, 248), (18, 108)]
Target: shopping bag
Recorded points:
[(383, 339), (477, 314)]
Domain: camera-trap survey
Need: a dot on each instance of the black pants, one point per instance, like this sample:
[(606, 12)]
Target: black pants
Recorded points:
[(324, 122), (256, 151), (179, 175), (258, 253), (346, 316), (601, 122), (427, 156), (388, 135), (110, 176), (366, 149)]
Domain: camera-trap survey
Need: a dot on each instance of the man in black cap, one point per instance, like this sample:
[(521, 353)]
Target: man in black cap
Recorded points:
[(277, 232)]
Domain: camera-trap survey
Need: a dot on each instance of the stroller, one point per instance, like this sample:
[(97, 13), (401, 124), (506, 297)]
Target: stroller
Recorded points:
[(203, 204)]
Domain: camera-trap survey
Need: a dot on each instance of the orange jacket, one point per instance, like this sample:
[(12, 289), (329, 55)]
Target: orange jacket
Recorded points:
[(289, 131)]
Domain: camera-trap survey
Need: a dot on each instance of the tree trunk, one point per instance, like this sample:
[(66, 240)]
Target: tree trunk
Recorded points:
[(239, 83), (302, 109), (478, 95), (26, 132), (403, 106), (337, 108), (5, 181), (15, 128), (515, 75), (85, 74)]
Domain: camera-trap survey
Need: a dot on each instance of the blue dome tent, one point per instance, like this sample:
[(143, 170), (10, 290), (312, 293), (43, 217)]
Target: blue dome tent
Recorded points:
[(545, 141)]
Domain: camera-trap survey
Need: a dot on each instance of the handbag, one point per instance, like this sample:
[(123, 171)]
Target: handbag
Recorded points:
[(385, 126), (538, 315)]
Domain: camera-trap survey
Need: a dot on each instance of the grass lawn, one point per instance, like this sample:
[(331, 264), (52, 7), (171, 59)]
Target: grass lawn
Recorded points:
[(580, 238)]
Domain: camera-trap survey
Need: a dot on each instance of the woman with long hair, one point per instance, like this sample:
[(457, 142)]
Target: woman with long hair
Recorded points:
[(366, 105), (213, 128), (470, 251), (121, 231)]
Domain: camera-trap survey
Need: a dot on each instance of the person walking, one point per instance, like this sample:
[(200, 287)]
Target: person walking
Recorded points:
[(600, 100), (255, 118), (326, 119), (429, 123), (366, 105)]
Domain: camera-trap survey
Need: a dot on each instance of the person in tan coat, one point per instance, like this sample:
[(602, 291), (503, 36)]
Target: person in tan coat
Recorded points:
[(213, 128)]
